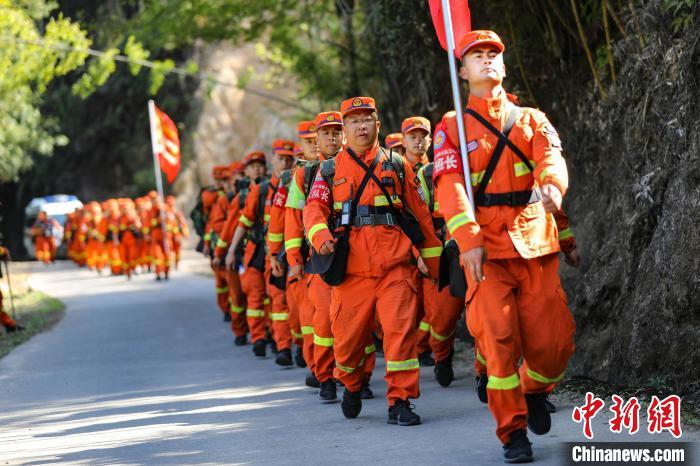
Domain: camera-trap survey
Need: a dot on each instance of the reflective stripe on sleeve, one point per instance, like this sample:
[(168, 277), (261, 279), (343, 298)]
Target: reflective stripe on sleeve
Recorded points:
[(315, 229), (275, 237), (244, 220), (292, 243), (427, 253), (221, 243), (458, 220), (565, 234)]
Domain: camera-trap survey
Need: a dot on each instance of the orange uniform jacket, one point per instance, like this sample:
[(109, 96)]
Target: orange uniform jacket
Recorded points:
[(505, 231), (374, 250), (229, 227), (209, 198)]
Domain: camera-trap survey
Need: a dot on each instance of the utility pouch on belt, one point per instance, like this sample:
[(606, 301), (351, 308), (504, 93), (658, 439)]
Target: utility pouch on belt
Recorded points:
[(335, 272), (451, 273), (281, 282)]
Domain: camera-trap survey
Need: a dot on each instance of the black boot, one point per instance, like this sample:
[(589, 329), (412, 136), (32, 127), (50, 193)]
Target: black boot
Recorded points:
[(538, 419), (402, 414), (351, 405), (227, 317), (299, 357), (312, 381), (425, 359), (14, 328), (518, 449), (551, 409), (259, 348), (241, 340), (284, 358), (328, 391), (273, 346), (366, 393), (481, 383), (444, 373)]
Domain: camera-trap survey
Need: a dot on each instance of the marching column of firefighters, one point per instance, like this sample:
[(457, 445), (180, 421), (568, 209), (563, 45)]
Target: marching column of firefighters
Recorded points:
[(335, 245), (334, 248)]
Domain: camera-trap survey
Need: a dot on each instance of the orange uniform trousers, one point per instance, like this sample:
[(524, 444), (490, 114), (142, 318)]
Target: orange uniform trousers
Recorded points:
[(116, 264), (279, 314), (442, 312), (253, 285), (520, 309), (95, 256), (129, 251), (222, 290), (5, 319), (44, 249), (160, 259), (324, 359), (236, 298), (298, 298), (391, 301)]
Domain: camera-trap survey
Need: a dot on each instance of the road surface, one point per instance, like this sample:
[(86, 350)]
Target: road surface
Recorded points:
[(144, 372)]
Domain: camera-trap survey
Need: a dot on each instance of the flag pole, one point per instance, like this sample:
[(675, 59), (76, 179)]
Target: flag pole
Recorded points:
[(159, 182), (457, 98)]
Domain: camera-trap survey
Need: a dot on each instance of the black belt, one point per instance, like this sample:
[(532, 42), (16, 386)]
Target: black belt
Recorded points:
[(515, 198), (368, 215)]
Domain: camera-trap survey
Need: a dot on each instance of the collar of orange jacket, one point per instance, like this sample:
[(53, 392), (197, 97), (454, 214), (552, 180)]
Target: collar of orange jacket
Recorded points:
[(368, 155), (491, 107)]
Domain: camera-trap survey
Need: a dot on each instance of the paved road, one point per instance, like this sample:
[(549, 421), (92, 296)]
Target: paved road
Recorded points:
[(146, 373)]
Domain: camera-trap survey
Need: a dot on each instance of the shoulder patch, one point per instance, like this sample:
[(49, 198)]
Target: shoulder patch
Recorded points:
[(439, 139), (340, 181)]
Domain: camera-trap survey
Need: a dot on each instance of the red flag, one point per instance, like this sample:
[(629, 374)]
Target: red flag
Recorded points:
[(461, 20), (167, 145)]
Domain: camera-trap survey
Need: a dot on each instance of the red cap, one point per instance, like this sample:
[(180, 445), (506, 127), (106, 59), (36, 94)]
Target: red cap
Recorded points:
[(474, 38), (415, 122), (394, 139), (236, 167), (306, 129), (255, 156), (328, 118), (283, 147), (219, 172), (357, 103)]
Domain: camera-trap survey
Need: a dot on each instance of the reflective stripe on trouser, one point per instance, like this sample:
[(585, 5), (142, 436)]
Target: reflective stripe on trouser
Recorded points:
[(236, 298), (324, 361), (359, 302), (306, 321), (520, 310), (443, 311), (221, 289), (279, 315), (253, 285)]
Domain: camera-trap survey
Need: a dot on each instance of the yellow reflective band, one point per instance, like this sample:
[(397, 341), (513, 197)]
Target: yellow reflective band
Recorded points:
[(349, 370), (457, 221), (427, 253), (296, 198), (521, 169), (477, 177), (221, 290), (439, 337), (237, 309), (503, 383), (544, 174), (424, 186), (244, 220), (207, 236), (480, 358), (370, 349), (255, 313), (221, 243), (541, 378), (424, 326), (337, 205), (315, 229), (295, 334), (275, 237), (565, 234), (321, 341), (407, 365), (266, 301), (307, 330), (266, 218), (436, 207), (292, 243), (154, 222), (279, 316)]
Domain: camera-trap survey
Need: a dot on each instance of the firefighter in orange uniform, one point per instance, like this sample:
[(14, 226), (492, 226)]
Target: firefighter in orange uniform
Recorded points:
[(371, 196), (130, 229), (516, 306), (160, 238), (253, 224), (300, 308), (180, 229), (5, 319), (253, 167), (44, 240), (111, 208)]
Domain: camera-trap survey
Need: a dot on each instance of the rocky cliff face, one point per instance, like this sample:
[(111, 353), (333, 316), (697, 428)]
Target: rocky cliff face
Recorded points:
[(233, 121), (634, 160)]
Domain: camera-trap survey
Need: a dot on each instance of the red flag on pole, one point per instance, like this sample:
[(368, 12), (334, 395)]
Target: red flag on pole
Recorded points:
[(461, 20), (166, 145)]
